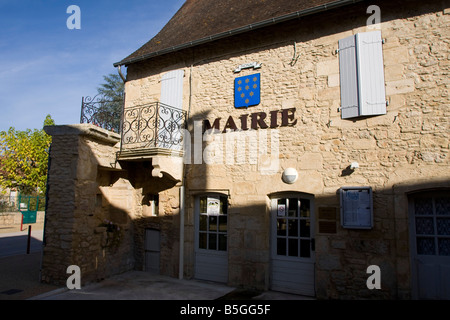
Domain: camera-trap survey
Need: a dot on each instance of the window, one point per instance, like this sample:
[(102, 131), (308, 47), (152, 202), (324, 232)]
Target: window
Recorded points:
[(293, 222), (432, 224), (362, 75), (213, 223)]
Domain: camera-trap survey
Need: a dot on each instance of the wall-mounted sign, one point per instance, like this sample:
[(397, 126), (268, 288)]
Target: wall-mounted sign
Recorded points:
[(281, 210), (254, 121), (356, 207), (213, 206), (254, 65), (247, 91)]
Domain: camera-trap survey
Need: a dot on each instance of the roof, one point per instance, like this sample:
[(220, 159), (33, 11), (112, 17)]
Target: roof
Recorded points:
[(201, 21)]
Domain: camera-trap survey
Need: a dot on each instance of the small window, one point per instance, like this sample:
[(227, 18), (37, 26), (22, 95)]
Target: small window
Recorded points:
[(153, 203), (361, 73)]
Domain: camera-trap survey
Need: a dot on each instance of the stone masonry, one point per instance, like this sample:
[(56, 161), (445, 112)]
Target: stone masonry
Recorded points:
[(403, 151), (407, 147), (97, 210)]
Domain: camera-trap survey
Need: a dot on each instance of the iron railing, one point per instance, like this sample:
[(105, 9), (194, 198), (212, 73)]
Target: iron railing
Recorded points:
[(102, 112), (154, 125), (21, 202)]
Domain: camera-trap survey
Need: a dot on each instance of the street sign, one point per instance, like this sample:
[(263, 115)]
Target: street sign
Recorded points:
[(29, 216)]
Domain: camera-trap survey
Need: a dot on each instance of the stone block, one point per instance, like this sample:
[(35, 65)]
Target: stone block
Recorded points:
[(310, 161), (399, 86), (325, 68), (333, 80), (328, 262)]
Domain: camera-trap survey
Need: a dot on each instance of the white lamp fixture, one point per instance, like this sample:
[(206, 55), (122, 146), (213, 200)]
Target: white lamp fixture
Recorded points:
[(354, 165), (289, 176)]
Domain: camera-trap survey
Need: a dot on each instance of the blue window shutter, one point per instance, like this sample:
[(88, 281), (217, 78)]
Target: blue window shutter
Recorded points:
[(371, 87), (172, 89), (348, 78)]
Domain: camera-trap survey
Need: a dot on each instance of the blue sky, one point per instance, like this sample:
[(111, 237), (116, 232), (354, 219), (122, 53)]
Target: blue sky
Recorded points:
[(47, 68)]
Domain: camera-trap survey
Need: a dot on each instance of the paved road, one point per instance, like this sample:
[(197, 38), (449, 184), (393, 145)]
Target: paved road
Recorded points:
[(15, 243)]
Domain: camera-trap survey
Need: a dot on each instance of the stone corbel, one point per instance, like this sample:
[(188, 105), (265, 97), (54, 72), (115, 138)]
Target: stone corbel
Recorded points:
[(170, 166)]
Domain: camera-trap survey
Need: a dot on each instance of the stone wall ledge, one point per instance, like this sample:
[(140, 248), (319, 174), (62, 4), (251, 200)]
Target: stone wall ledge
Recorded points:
[(84, 129)]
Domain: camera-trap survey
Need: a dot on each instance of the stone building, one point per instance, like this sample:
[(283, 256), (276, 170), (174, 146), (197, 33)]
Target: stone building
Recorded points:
[(298, 146)]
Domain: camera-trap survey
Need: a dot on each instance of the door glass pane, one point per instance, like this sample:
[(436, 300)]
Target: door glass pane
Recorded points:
[(222, 242), (444, 246), (212, 223), (293, 227), (212, 245), (203, 205), (305, 248), (424, 226), (212, 228), (423, 206), (223, 205), (426, 246), (443, 226), (202, 240), (203, 222), (281, 208), (442, 205), (304, 228), (293, 247), (281, 246), (223, 223), (304, 208), (293, 207), (281, 227)]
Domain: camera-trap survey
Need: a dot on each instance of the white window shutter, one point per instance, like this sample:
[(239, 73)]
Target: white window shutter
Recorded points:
[(369, 53), (348, 78), (170, 119), (172, 89)]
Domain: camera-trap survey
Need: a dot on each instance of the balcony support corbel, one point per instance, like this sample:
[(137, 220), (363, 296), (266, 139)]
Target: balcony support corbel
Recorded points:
[(172, 167)]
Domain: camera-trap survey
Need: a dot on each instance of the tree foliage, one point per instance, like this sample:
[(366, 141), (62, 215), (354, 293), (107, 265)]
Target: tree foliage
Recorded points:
[(113, 87), (112, 92), (24, 159)]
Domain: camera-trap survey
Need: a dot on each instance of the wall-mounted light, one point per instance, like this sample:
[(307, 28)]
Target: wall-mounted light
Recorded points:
[(354, 165), (289, 176)]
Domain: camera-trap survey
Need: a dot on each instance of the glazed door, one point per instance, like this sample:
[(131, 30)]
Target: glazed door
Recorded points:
[(211, 255), (430, 244), (293, 245)]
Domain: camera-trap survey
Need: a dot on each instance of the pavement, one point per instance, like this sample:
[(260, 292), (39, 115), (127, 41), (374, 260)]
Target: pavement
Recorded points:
[(19, 280), (139, 285)]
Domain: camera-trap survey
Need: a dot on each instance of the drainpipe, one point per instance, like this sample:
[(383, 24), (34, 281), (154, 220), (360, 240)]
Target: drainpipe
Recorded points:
[(121, 74), (181, 258)]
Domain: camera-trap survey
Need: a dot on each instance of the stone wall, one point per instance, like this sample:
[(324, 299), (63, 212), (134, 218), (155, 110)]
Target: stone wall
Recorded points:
[(407, 146), (99, 209), (88, 215), (9, 219)]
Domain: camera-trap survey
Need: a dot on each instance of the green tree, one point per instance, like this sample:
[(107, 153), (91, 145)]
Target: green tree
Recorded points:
[(113, 87), (24, 159), (112, 92)]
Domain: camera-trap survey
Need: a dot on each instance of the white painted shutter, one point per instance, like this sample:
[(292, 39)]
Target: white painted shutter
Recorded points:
[(172, 96), (172, 89), (348, 78), (361, 73), (372, 95)]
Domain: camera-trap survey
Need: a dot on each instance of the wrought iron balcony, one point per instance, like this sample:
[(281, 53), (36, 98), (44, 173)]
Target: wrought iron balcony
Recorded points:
[(102, 112), (147, 130), (152, 129)]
